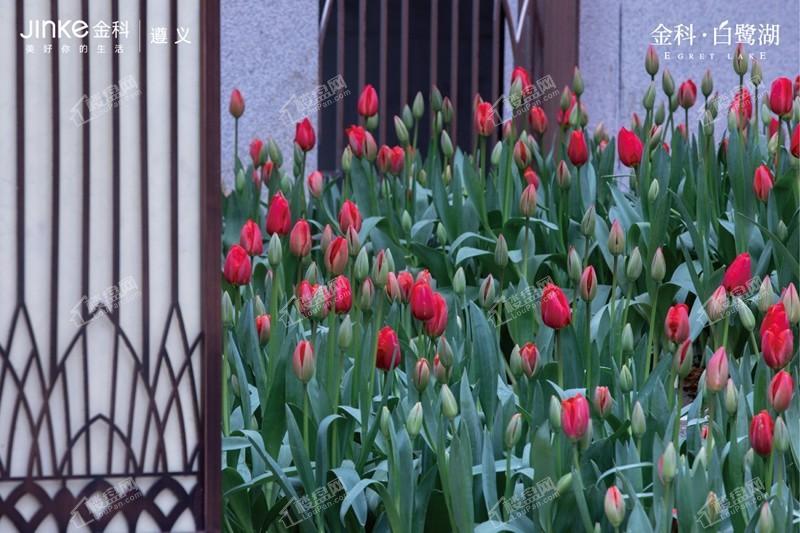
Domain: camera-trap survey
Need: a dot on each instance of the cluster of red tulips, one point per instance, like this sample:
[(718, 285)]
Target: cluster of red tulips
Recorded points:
[(650, 378)]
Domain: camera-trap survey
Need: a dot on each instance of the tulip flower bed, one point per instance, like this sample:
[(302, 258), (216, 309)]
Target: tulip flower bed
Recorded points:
[(602, 336)]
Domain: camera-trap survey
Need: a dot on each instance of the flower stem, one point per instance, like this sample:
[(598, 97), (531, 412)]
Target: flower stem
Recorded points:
[(305, 416), (525, 251), (559, 360), (679, 402), (588, 349), (650, 336)]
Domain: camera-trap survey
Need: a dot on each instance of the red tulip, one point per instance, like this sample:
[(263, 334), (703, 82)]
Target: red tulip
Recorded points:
[(531, 178), (781, 390), (776, 319), (315, 184), (303, 361), (774, 125), (392, 288), (398, 157), (521, 155), (738, 274), (300, 239), (742, 106), (422, 301), (588, 284), (336, 256), (761, 429), (256, 146), (681, 366), (519, 73), (263, 328), (682, 130), (762, 183), (406, 282), (687, 94), (436, 325), (630, 148), (384, 159), (576, 150), (236, 106), (357, 138), (575, 416), (321, 302), (795, 143), (562, 117), (237, 268), (777, 340), (279, 219), (797, 86), (304, 293), (368, 101), (388, 354), (537, 119), (780, 96), (304, 135), (349, 217), (676, 325), (342, 295), (556, 311), (266, 172), (424, 275), (250, 238), (530, 359), (717, 370), (484, 119), (602, 401)]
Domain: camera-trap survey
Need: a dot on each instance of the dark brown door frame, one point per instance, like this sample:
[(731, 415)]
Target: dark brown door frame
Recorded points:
[(212, 231)]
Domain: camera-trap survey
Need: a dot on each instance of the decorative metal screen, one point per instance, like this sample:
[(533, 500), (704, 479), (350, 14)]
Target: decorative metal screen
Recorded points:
[(464, 47), (109, 231)]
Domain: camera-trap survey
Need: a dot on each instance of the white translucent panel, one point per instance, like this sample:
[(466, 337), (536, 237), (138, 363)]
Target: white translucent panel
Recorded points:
[(93, 404)]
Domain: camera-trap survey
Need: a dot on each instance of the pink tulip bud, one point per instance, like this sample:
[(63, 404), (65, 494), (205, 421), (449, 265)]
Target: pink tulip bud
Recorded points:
[(717, 304), (315, 184), (602, 401), (236, 106), (300, 239), (588, 284), (781, 390), (303, 361), (263, 327), (527, 202), (717, 371)]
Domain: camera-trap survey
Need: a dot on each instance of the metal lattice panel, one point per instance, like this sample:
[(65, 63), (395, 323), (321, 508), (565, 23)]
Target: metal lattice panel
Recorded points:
[(110, 264)]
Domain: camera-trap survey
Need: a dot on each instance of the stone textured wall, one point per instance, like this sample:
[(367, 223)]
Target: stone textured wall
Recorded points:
[(270, 51), (614, 35)]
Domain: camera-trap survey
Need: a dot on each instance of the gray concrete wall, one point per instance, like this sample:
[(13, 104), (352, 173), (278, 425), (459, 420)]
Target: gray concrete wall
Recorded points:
[(614, 35), (270, 51)]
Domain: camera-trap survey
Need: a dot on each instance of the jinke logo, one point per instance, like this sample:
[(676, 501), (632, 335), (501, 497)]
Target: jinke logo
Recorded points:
[(63, 29)]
